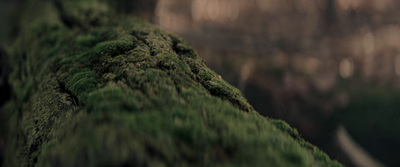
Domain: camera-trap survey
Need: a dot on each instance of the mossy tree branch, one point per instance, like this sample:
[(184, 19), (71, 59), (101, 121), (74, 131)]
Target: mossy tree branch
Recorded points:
[(94, 87)]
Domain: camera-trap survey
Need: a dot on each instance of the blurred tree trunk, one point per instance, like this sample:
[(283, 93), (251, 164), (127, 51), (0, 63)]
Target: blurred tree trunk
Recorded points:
[(331, 12)]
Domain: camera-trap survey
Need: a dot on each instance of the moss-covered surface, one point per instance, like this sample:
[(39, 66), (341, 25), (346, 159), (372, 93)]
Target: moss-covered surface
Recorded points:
[(92, 87)]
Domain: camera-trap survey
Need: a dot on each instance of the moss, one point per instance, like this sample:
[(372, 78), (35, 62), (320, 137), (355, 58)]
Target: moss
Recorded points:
[(110, 99), (169, 61), (285, 127), (106, 48), (90, 39), (114, 91), (206, 75), (170, 137), (83, 83), (222, 89), (182, 47), (87, 40)]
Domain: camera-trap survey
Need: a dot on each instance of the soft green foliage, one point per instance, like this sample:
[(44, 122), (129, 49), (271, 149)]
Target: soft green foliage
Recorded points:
[(119, 92)]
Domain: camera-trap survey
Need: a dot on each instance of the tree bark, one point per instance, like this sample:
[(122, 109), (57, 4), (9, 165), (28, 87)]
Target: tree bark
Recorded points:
[(94, 87)]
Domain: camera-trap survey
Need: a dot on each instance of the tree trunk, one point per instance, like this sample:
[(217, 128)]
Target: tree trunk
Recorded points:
[(95, 87)]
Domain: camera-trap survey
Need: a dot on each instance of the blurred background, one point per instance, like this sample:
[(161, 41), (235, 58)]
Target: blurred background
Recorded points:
[(330, 68)]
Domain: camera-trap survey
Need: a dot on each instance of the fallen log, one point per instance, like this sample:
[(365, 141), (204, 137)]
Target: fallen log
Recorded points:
[(95, 87)]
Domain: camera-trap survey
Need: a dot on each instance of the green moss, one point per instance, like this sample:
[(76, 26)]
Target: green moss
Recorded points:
[(182, 47), (110, 99), (206, 75), (285, 127), (90, 39), (177, 135), (222, 89), (87, 40), (108, 48), (169, 61), (83, 83)]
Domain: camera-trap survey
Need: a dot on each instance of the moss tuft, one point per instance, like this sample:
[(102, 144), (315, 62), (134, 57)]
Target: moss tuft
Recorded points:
[(110, 99), (108, 48), (206, 75), (182, 47), (83, 83), (169, 61)]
